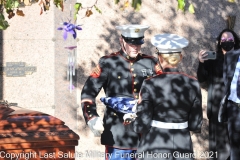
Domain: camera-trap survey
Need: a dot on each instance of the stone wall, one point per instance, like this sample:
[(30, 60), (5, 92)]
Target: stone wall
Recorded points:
[(34, 39)]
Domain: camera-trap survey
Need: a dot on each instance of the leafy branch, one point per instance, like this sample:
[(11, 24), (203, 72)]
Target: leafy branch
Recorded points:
[(181, 6), (136, 4), (88, 13), (11, 7)]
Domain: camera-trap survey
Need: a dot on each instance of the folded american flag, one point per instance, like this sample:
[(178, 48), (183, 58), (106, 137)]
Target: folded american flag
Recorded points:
[(120, 104)]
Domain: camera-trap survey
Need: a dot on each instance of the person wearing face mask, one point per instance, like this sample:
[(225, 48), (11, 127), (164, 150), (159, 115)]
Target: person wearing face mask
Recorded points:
[(210, 76), (120, 74), (230, 106)]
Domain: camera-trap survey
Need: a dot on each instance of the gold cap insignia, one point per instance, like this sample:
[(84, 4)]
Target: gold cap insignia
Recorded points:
[(137, 30)]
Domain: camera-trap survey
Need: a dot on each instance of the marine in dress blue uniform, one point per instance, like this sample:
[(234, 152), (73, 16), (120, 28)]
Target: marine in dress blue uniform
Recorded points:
[(169, 107), (120, 75)]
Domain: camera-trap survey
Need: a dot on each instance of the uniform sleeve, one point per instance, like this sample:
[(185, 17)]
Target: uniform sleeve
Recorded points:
[(144, 111), (91, 88), (196, 113)]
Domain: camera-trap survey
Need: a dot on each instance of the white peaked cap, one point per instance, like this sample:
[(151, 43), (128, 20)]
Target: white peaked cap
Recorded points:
[(132, 30), (169, 43)]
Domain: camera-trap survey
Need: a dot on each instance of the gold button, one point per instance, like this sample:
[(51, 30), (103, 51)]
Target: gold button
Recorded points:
[(127, 57), (88, 111), (132, 69), (114, 114), (135, 83), (131, 64), (119, 77), (135, 90), (136, 96), (134, 75), (90, 115), (88, 106), (148, 76)]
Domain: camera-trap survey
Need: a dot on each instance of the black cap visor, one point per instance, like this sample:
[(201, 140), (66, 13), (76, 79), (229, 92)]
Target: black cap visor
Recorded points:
[(134, 41)]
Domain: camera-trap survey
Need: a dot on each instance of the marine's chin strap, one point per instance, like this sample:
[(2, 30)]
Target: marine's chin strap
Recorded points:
[(123, 46), (160, 65)]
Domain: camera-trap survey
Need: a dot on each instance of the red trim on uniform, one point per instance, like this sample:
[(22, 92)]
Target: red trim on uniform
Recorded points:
[(181, 74), (89, 102), (113, 54), (158, 69), (106, 151), (127, 59), (96, 72), (184, 74), (132, 79), (129, 67), (121, 148), (91, 118)]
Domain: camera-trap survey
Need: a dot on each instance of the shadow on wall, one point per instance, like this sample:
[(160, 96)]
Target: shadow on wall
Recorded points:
[(211, 15), (201, 29)]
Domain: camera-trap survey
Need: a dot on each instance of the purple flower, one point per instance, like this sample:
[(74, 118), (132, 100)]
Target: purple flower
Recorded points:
[(69, 28)]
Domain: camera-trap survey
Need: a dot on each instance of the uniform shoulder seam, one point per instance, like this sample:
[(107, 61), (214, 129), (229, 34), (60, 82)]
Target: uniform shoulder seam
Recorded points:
[(184, 74), (147, 56), (111, 55)]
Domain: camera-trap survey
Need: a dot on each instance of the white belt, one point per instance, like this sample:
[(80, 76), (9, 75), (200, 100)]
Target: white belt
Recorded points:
[(165, 125)]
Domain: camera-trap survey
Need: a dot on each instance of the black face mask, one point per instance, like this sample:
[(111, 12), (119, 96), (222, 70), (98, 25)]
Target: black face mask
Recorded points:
[(227, 46)]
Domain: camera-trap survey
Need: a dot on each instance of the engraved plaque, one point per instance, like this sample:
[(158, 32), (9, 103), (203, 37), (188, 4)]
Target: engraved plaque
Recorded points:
[(18, 69)]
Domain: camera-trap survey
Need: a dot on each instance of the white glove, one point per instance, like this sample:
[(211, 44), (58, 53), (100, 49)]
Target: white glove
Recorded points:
[(129, 116), (96, 126), (135, 106)]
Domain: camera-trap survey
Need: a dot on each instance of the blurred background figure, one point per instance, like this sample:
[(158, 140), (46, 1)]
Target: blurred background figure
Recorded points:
[(210, 76)]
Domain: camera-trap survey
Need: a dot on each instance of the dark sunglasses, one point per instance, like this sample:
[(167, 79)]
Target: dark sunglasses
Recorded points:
[(227, 40)]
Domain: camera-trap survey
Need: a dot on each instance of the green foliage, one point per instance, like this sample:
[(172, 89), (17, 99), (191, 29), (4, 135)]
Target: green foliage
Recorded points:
[(136, 4), (97, 9), (10, 4), (88, 13), (59, 4), (117, 1), (77, 7), (191, 9), (181, 6), (3, 23)]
